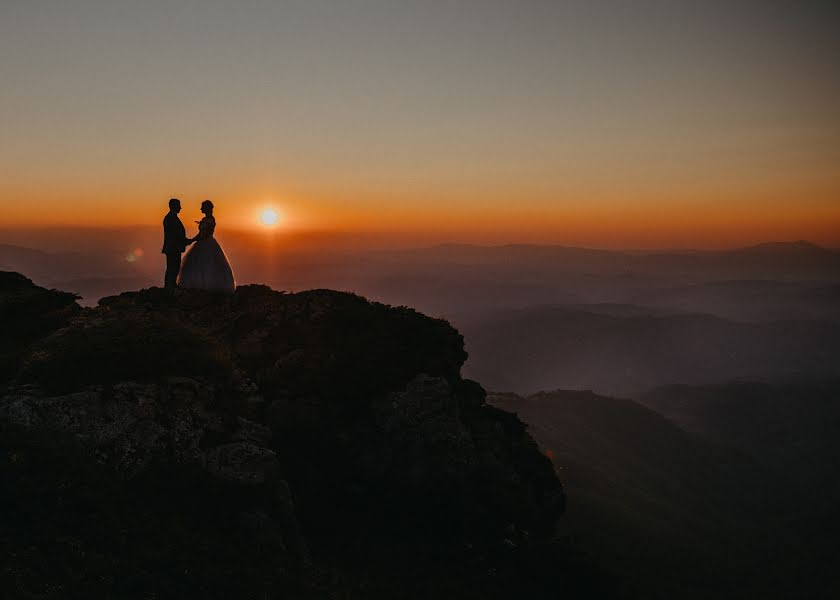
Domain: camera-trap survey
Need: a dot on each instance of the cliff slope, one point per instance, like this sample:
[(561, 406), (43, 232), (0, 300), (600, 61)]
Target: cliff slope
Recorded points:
[(262, 445)]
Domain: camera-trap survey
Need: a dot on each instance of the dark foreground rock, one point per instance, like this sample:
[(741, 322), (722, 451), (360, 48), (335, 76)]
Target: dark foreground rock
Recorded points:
[(262, 445)]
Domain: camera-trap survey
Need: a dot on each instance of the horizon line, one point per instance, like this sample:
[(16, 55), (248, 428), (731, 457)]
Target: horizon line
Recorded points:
[(374, 233)]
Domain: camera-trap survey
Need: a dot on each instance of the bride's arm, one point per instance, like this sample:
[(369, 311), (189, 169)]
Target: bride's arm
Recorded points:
[(203, 230)]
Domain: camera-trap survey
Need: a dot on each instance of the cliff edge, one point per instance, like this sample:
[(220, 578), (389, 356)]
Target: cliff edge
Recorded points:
[(262, 444)]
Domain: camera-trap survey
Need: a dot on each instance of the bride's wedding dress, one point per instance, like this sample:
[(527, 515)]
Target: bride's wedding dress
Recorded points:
[(205, 265)]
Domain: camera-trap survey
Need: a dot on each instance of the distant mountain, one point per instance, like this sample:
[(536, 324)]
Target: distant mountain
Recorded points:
[(542, 348), (529, 253), (749, 300), (789, 261), (91, 274), (790, 427), (449, 279), (14, 256), (679, 516), (799, 247), (784, 281), (794, 261)]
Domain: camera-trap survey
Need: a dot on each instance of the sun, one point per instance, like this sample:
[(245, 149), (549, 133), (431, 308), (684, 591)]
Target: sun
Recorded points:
[(269, 217)]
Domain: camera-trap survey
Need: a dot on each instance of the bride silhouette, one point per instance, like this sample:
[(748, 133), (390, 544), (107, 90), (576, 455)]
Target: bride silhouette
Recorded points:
[(205, 266)]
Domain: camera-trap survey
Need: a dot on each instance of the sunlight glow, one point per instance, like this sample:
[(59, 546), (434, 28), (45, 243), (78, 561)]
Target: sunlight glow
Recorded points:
[(269, 217)]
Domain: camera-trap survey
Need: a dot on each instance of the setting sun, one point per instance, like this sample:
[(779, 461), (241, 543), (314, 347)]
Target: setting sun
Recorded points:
[(269, 217)]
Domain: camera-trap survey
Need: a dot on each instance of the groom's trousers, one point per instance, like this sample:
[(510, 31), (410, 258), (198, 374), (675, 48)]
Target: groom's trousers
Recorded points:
[(173, 267)]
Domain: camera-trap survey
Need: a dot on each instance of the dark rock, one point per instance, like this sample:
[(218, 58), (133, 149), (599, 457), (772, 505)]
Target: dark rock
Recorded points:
[(27, 313), (315, 418)]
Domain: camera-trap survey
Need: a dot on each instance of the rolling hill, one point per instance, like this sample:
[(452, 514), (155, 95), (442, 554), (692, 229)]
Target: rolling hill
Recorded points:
[(541, 348)]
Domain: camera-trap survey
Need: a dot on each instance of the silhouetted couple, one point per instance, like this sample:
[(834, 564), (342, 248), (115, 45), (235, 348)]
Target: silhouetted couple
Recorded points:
[(205, 266)]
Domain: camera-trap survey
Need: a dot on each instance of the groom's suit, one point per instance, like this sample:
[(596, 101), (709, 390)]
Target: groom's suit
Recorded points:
[(174, 243)]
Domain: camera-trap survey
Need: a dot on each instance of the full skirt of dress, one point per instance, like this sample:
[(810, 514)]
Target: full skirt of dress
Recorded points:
[(206, 267)]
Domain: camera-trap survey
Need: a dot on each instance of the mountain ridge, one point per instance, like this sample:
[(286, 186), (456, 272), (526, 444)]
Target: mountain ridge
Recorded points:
[(524, 350), (679, 514)]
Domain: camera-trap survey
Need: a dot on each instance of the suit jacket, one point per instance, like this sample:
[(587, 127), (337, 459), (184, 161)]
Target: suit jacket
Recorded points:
[(174, 235)]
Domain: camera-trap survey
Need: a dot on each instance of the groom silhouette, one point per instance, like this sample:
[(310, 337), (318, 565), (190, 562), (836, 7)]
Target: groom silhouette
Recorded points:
[(174, 243)]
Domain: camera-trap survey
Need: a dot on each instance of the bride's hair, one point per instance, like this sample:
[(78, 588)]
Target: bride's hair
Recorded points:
[(207, 204)]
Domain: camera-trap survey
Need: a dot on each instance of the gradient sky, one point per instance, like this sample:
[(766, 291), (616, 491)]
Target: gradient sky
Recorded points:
[(592, 123)]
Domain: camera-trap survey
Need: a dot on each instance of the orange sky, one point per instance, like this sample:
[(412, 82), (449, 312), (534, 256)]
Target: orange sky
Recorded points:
[(657, 127), (625, 221)]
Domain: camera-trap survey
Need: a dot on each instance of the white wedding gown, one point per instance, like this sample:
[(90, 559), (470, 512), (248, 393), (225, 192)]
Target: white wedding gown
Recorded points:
[(205, 265)]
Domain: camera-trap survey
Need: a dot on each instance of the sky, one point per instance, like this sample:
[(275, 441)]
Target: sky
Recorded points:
[(606, 124)]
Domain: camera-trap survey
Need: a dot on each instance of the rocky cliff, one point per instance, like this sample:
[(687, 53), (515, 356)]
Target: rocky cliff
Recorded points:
[(260, 445)]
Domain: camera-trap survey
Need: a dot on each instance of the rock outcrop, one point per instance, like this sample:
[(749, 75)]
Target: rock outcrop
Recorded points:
[(195, 444)]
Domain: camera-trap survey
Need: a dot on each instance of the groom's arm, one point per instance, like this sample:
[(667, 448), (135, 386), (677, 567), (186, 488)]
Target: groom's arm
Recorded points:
[(182, 233)]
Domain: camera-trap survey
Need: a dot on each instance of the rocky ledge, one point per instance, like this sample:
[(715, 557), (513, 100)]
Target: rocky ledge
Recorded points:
[(262, 444)]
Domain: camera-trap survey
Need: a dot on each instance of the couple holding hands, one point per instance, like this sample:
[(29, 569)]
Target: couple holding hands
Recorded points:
[(205, 266)]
